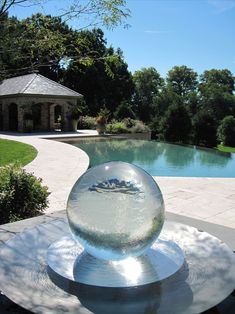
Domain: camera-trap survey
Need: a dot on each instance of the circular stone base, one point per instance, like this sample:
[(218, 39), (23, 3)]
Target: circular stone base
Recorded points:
[(68, 259), (206, 278)]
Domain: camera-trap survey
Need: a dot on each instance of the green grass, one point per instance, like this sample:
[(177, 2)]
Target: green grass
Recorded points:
[(16, 152), (226, 149)]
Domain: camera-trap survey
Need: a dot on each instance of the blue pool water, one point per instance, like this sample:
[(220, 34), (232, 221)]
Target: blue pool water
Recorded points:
[(161, 159)]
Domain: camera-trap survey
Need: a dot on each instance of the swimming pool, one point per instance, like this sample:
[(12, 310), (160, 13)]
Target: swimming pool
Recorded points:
[(161, 159)]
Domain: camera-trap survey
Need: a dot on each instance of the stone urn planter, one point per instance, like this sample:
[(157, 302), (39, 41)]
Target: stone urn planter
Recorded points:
[(101, 124), (74, 125)]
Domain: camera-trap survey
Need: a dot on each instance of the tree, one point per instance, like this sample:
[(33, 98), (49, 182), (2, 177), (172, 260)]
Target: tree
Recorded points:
[(216, 93), (109, 13), (176, 124), (182, 80), (7, 4), (218, 78), (217, 100), (102, 77), (124, 110), (148, 84), (204, 128), (226, 131), (38, 43), (79, 59)]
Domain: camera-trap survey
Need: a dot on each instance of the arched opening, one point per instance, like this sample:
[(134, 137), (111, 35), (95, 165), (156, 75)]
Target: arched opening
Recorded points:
[(37, 117), (57, 117), (13, 117)]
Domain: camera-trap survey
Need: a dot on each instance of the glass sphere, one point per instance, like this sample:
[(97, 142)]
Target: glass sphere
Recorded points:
[(115, 210)]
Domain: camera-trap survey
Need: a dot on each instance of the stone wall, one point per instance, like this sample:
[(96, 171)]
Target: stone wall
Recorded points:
[(137, 136), (24, 105)]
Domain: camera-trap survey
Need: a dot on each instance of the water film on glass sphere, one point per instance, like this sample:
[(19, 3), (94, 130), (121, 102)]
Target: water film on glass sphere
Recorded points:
[(115, 210)]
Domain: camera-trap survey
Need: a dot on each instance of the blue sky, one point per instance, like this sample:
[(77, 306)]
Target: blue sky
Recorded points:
[(165, 33)]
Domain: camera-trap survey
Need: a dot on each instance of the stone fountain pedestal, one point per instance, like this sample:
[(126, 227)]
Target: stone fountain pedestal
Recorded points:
[(206, 277)]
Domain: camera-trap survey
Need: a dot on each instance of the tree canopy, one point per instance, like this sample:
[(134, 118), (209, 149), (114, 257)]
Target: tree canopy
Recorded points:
[(182, 80), (226, 131), (148, 84), (87, 13)]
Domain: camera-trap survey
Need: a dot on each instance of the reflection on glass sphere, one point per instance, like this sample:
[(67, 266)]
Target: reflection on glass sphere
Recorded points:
[(115, 210)]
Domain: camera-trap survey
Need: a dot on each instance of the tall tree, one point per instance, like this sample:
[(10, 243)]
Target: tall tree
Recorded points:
[(102, 75), (216, 93), (204, 128), (218, 78), (182, 80), (148, 84), (36, 43), (176, 124), (226, 131), (40, 43)]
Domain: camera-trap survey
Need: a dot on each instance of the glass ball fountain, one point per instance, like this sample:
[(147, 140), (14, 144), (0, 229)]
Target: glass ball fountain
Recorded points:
[(115, 210), (115, 215)]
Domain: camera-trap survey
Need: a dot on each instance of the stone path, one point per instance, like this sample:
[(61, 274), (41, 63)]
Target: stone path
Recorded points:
[(58, 164)]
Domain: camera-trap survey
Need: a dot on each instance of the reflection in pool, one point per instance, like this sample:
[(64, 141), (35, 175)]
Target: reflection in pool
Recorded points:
[(161, 159)]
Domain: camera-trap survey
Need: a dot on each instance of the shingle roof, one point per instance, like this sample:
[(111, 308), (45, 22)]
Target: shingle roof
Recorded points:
[(34, 84)]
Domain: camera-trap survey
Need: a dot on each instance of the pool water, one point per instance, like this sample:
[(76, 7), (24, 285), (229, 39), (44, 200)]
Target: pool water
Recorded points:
[(161, 159)]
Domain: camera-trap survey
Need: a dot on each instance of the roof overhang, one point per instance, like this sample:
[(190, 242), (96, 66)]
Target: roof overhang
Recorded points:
[(39, 96)]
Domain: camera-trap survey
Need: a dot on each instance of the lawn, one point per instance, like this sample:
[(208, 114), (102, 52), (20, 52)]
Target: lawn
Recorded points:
[(16, 152), (226, 149)]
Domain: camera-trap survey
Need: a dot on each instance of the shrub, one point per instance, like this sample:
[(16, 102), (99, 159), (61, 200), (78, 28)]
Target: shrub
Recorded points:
[(139, 127), (116, 128), (21, 194), (127, 125), (129, 122), (226, 131), (87, 122)]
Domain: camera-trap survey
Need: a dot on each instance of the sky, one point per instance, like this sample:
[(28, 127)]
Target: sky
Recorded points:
[(166, 33)]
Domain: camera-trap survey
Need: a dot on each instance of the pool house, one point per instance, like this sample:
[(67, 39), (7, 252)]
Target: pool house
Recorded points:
[(36, 103)]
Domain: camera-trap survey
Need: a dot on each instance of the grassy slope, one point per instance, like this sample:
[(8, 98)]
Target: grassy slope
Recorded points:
[(227, 149), (16, 152)]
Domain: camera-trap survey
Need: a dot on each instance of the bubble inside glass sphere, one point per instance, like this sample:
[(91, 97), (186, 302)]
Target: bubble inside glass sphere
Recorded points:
[(115, 210)]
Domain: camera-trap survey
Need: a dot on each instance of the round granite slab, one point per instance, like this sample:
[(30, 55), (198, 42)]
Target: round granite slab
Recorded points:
[(205, 279)]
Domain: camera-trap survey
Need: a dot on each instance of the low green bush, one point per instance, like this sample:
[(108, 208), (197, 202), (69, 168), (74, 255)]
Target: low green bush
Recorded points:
[(87, 123), (21, 194), (129, 122), (127, 125), (116, 128)]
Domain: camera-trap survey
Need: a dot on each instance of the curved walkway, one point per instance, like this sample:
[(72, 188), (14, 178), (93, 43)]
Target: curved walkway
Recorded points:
[(58, 164)]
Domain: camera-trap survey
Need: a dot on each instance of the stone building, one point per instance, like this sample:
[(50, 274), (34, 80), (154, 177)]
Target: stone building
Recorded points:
[(33, 102)]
